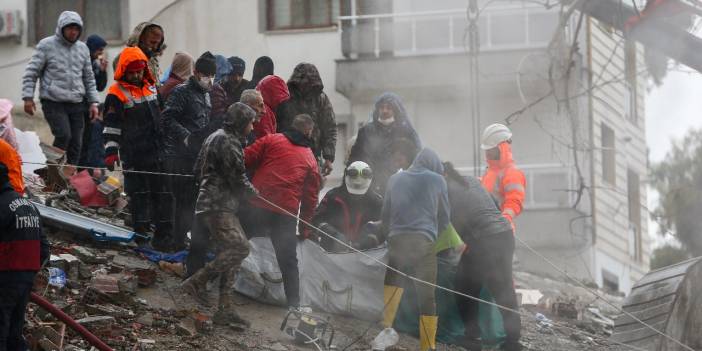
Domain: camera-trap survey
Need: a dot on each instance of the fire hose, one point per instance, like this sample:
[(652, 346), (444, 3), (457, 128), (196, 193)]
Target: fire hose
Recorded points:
[(90, 337)]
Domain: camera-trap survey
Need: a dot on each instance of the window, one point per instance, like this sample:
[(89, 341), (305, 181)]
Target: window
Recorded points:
[(631, 76), (609, 160), (610, 281), (102, 17), (634, 201), (301, 14)]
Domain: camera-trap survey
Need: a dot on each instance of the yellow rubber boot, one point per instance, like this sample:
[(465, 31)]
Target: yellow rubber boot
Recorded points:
[(391, 299), (427, 332)]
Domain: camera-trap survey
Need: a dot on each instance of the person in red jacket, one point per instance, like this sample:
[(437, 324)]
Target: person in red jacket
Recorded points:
[(275, 92), (286, 173), (503, 179)]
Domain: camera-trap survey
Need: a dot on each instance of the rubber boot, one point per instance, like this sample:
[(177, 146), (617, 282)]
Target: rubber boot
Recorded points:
[(226, 313), (391, 299), (196, 286), (427, 332)]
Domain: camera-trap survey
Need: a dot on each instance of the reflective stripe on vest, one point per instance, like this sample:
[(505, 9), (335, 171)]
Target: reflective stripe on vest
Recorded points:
[(513, 186), (133, 101), (497, 189)]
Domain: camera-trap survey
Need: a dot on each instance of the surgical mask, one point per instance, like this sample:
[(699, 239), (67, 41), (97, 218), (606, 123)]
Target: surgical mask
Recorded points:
[(206, 82), (387, 121)]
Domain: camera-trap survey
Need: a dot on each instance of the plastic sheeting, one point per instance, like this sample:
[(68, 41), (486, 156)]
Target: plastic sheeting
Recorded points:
[(30, 151), (339, 283)]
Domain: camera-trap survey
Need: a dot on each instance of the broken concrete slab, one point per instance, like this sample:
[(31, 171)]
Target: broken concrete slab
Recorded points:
[(88, 256), (101, 325), (146, 319)]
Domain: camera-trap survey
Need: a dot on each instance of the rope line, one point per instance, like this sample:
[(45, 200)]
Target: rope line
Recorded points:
[(107, 169)]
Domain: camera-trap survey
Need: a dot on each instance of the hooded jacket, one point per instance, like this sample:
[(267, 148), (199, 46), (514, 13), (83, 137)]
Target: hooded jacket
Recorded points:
[(63, 68), (347, 212), (374, 141), (132, 115), (307, 96), (224, 94), (13, 161), (285, 172), (95, 42), (186, 115), (262, 67), (133, 41), (219, 170), (506, 182), (274, 92), (416, 200), (181, 70)]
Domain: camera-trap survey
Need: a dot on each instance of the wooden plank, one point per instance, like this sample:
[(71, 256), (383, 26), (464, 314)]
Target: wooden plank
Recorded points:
[(638, 333), (666, 299), (643, 314), (668, 272), (654, 290), (661, 319)]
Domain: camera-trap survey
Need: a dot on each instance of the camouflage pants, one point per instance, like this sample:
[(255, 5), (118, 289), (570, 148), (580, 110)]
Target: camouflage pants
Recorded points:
[(230, 244)]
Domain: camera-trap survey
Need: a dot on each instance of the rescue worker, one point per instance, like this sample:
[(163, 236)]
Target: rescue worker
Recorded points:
[(503, 179), (185, 123), (415, 209), (286, 173), (24, 249), (346, 209), (274, 92), (132, 135), (62, 63), (13, 161), (307, 97), (488, 260), (375, 139), (222, 180), (148, 37)]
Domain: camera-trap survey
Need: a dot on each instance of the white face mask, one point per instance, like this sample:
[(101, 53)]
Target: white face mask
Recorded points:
[(387, 121), (206, 82)]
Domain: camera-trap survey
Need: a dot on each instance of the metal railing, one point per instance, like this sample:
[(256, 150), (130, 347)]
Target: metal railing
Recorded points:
[(443, 31)]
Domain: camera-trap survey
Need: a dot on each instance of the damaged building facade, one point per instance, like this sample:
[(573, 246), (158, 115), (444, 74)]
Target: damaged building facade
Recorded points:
[(421, 50)]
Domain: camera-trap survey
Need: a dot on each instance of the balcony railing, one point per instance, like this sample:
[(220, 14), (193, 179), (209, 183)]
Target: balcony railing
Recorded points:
[(444, 32)]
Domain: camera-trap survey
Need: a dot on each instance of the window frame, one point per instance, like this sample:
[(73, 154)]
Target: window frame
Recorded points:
[(270, 18), (609, 155)]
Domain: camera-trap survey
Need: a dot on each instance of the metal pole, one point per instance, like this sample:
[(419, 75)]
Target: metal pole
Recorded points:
[(474, 46)]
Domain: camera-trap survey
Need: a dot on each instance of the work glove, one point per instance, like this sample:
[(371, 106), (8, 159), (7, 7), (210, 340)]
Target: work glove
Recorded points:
[(111, 160)]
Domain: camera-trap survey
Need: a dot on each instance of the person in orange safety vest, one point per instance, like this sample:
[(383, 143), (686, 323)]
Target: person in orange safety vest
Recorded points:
[(503, 179), (11, 158)]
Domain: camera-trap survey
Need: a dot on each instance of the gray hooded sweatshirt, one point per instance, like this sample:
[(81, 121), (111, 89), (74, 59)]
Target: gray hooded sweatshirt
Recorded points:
[(64, 68)]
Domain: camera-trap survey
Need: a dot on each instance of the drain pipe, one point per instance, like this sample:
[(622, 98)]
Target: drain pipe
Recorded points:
[(90, 337)]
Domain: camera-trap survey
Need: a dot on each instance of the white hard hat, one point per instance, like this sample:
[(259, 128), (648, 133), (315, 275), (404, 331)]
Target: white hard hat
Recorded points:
[(493, 135), (358, 177)]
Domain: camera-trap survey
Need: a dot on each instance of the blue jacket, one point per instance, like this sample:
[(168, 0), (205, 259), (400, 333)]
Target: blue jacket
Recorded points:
[(416, 200)]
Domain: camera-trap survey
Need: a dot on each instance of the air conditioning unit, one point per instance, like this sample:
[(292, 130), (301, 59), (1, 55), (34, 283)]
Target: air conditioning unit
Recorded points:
[(10, 24)]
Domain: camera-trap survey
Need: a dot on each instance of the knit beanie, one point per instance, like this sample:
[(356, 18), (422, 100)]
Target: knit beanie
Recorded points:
[(238, 64), (206, 64)]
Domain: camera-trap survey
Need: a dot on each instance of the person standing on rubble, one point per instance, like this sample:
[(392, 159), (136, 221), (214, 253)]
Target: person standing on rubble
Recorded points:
[(286, 173), (222, 180), (132, 136), (415, 209), (92, 151), (148, 37), (503, 179), (62, 63), (488, 259), (186, 124), (24, 249), (307, 97)]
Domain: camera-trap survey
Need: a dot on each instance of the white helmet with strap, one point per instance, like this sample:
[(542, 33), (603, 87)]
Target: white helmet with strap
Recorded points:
[(494, 135)]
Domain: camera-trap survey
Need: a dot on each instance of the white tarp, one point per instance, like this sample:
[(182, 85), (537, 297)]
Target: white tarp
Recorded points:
[(30, 151), (339, 283)]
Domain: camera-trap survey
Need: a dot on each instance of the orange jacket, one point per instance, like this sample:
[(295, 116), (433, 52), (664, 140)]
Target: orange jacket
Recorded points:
[(506, 182), (129, 55), (13, 162)]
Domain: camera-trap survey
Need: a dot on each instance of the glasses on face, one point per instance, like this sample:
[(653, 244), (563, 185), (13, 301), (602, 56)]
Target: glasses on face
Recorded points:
[(366, 173)]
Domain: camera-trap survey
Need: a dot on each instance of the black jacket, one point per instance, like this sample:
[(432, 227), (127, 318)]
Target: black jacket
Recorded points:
[(100, 76), (374, 143), (473, 211), (23, 245), (186, 115), (348, 213)]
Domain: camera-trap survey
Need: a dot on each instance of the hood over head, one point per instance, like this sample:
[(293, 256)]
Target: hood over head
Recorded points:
[(274, 91), (429, 160), (506, 159), (238, 116), (224, 68), (262, 67), (396, 102), (129, 55), (305, 79), (182, 65), (133, 39), (95, 42), (65, 19)]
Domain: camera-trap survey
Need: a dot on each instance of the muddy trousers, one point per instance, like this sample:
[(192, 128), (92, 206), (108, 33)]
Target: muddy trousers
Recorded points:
[(199, 246), (184, 192), (14, 296), (151, 202), (282, 231), (488, 263), (231, 248), (66, 122), (413, 253)]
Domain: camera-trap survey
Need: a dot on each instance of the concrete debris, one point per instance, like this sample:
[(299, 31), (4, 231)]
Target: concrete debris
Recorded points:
[(276, 347), (146, 319), (98, 325), (529, 296), (88, 256)]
